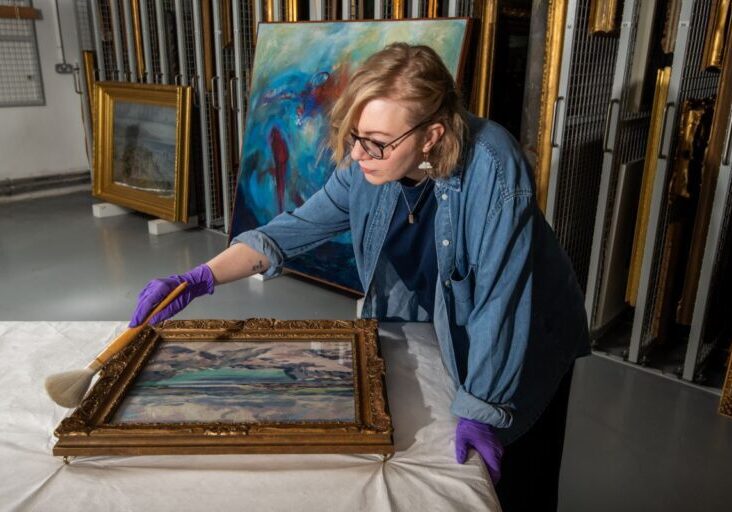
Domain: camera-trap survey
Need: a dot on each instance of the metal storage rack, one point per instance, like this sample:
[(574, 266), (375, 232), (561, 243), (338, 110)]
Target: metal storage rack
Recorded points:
[(624, 142), (688, 79), (584, 92), (709, 316)]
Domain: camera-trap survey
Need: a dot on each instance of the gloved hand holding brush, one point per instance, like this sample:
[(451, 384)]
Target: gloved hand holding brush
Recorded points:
[(200, 281)]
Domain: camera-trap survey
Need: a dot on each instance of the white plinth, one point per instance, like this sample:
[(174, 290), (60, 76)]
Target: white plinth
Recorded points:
[(102, 210), (260, 277), (163, 227)]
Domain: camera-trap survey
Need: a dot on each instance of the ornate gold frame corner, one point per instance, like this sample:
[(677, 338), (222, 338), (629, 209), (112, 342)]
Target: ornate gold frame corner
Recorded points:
[(175, 208), (716, 33), (89, 430), (603, 16)]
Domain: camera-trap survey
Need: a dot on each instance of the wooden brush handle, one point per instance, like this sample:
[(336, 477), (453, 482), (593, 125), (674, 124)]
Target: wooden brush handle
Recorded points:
[(126, 337)]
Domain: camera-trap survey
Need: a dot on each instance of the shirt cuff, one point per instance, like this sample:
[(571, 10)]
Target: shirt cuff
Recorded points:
[(467, 406), (264, 245)]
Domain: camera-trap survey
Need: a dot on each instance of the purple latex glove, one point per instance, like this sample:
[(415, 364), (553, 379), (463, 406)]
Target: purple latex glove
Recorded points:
[(479, 436), (200, 281)]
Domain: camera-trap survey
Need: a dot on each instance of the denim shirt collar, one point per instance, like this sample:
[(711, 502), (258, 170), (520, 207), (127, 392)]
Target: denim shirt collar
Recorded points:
[(454, 182)]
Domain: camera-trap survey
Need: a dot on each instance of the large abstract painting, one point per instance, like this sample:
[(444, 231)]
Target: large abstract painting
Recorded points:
[(298, 72)]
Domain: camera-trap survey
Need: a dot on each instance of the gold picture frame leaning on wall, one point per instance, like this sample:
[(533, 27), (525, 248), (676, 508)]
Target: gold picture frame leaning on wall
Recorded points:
[(142, 146), (254, 386)]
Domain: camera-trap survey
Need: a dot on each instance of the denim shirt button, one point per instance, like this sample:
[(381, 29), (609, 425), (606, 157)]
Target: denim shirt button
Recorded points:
[(444, 197), (445, 243), (447, 283)]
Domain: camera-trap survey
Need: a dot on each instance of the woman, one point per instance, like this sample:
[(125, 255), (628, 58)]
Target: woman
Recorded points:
[(445, 228)]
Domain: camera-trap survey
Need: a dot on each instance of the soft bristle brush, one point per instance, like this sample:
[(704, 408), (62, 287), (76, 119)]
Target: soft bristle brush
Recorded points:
[(68, 388)]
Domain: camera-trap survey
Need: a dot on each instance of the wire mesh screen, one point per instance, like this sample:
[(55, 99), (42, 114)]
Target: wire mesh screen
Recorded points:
[(110, 64), (21, 82), (231, 126), (630, 145), (695, 83), (154, 66), (83, 24), (580, 167), (127, 46)]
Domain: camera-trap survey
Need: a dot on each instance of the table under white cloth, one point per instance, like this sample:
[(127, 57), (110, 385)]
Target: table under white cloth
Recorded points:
[(422, 476)]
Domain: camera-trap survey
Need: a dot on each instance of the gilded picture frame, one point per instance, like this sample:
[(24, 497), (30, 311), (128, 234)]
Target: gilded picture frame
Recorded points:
[(90, 77), (603, 17), (253, 386), (716, 33), (658, 116), (142, 147)]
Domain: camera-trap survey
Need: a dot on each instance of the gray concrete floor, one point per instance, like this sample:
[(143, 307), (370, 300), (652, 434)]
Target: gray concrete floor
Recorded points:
[(635, 441)]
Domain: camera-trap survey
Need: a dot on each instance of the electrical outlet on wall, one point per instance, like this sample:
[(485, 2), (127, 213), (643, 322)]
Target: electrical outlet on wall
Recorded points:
[(64, 68)]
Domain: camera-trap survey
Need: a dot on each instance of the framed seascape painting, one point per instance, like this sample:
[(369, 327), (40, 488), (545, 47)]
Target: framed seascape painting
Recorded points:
[(299, 70), (255, 386), (141, 147)]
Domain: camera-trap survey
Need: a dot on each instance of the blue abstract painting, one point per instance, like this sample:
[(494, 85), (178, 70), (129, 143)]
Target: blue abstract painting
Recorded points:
[(299, 70), (244, 382)]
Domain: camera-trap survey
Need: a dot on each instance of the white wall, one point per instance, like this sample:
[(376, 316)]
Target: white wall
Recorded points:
[(37, 141)]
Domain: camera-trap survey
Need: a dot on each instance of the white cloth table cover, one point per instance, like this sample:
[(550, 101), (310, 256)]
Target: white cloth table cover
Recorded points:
[(422, 475)]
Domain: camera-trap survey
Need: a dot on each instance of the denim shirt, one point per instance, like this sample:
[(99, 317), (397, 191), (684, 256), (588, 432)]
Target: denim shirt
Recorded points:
[(509, 314)]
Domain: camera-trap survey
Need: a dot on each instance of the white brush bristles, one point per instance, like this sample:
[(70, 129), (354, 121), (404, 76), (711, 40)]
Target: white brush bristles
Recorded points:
[(68, 388)]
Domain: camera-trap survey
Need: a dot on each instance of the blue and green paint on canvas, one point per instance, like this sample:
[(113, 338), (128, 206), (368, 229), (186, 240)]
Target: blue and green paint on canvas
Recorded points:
[(244, 382), (299, 70)]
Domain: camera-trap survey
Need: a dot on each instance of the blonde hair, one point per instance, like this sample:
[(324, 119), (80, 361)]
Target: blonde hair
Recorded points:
[(415, 76)]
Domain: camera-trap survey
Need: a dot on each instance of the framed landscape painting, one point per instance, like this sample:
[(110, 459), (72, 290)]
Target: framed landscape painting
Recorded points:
[(299, 70), (141, 147), (257, 386)]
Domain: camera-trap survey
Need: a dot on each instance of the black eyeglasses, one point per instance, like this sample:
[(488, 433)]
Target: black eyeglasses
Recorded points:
[(376, 149)]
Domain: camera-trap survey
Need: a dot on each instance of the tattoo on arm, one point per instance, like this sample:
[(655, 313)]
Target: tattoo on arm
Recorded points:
[(258, 267)]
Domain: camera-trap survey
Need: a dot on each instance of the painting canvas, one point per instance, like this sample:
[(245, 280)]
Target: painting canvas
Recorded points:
[(244, 381), (144, 147), (252, 386), (298, 72)]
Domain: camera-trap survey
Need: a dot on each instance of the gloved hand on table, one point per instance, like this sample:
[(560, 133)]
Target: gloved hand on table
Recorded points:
[(200, 281), (482, 438)]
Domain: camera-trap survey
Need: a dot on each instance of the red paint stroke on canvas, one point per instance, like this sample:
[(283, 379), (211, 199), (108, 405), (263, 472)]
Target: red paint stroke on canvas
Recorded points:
[(281, 156)]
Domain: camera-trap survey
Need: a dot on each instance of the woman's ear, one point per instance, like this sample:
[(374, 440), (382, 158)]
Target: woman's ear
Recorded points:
[(434, 133)]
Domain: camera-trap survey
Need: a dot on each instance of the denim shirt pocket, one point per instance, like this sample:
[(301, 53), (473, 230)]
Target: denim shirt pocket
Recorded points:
[(462, 291)]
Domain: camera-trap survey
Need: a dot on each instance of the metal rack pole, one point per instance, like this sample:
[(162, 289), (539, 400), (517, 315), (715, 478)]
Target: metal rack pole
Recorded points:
[(237, 91), (101, 69), (160, 21), (148, 75), (131, 54), (181, 39), (117, 37), (202, 109), (217, 88)]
